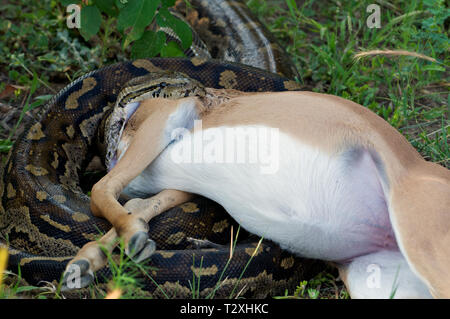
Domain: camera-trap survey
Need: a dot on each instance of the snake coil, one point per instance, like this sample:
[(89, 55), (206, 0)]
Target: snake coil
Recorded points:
[(45, 216)]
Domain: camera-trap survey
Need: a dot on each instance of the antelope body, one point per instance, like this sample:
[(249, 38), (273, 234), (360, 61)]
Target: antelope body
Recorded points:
[(346, 186)]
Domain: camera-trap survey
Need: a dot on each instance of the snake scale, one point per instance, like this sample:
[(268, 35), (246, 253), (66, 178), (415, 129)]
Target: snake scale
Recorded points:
[(44, 212)]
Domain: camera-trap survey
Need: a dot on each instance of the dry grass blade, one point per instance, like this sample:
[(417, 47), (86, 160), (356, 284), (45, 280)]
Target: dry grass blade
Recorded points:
[(3, 263), (231, 243), (114, 294), (363, 54)]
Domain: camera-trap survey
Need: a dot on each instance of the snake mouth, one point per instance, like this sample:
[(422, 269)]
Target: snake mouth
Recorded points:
[(114, 127)]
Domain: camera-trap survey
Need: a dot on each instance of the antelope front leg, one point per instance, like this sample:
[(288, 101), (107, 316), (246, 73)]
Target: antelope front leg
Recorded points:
[(157, 118), (91, 257)]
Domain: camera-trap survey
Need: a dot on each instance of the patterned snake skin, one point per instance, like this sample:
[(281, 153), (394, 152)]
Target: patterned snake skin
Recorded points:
[(44, 212)]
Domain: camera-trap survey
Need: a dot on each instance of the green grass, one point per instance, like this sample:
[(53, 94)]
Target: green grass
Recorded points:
[(324, 285), (38, 53), (126, 280), (412, 94)]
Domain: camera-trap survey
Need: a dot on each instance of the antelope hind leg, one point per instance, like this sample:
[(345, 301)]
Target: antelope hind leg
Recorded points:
[(79, 272), (382, 275)]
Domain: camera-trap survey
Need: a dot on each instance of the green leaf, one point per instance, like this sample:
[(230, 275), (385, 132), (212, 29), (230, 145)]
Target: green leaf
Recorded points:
[(137, 15), (25, 288), (433, 67), (5, 146), (65, 3), (34, 83), (120, 3), (168, 3), (44, 97), (149, 45), (292, 7), (171, 49), (183, 31), (108, 7), (13, 75), (91, 20)]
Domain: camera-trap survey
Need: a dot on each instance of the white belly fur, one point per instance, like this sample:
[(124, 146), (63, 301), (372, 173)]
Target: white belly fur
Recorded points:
[(314, 205)]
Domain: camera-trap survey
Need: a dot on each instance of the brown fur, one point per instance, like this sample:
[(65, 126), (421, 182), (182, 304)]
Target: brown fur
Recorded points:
[(419, 192)]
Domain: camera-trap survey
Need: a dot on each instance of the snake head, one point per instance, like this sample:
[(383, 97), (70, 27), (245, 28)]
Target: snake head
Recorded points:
[(101, 135), (160, 84)]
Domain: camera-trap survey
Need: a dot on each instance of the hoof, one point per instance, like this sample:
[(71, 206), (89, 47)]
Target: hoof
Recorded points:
[(146, 252), (140, 247), (77, 275)]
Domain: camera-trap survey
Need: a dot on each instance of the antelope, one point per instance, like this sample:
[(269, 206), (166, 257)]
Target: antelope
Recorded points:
[(347, 187)]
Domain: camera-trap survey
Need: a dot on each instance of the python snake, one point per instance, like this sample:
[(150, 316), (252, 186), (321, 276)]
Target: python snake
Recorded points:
[(44, 212)]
